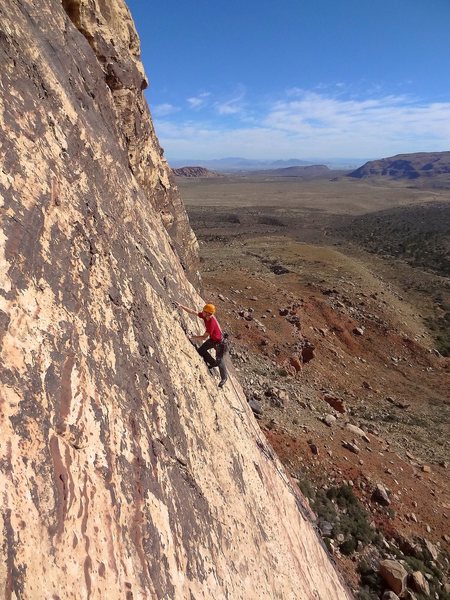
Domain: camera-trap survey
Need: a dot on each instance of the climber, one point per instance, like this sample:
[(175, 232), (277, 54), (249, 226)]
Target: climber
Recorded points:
[(213, 339)]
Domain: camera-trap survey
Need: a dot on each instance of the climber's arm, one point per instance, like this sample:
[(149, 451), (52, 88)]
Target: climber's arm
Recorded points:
[(200, 337), (191, 311)]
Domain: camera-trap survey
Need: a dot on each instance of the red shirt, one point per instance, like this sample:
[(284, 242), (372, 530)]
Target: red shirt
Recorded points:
[(212, 327)]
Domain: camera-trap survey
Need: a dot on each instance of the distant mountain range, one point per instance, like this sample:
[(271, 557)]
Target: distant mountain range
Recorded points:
[(240, 164), (232, 164), (408, 166), (422, 166), (307, 172)]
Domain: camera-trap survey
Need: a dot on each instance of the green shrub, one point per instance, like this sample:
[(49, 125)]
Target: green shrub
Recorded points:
[(349, 546), (354, 520), (307, 489), (340, 507), (366, 594), (370, 580)]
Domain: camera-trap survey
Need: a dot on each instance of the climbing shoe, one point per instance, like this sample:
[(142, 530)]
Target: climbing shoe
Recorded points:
[(223, 382)]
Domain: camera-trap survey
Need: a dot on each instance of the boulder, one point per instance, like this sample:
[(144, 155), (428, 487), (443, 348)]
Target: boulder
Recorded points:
[(335, 402), (380, 495), (279, 269), (351, 446), (255, 406), (307, 354), (418, 583), (329, 420), (294, 320), (277, 397), (431, 552), (246, 314), (408, 546), (283, 396), (358, 431), (394, 575), (358, 331), (313, 447), (295, 362), (326, 528)]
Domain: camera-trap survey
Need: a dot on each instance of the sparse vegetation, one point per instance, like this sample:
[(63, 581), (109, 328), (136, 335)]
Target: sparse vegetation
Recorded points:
[(366, 594), (418, 235), (371, 582), (232, 218), (270, 220), (341, 508), (440, 327)]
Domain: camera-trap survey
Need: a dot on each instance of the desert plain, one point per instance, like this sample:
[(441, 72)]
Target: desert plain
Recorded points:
[(336, 296)]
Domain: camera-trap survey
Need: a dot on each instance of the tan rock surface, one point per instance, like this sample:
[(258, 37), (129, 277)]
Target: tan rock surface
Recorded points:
[(109, 30), (419, 583), (124, 472), (394, 575)]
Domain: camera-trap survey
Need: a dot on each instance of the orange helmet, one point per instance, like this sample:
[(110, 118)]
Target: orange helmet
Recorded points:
[(209, 308)]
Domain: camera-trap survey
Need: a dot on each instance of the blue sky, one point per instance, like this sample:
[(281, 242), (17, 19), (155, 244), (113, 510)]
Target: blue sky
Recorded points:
[(297, 78)]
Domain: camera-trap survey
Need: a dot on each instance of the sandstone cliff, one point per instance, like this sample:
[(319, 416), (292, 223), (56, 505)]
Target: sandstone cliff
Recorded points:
[(124, 471), (109, 30)]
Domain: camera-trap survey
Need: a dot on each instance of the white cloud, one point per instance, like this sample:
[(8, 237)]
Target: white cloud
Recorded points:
[(230, 107), (367, 123), (307, 124), (196, 102), (162, 110)]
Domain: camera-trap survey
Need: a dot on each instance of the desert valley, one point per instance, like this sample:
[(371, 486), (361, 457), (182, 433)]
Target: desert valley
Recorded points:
[(335, 291)]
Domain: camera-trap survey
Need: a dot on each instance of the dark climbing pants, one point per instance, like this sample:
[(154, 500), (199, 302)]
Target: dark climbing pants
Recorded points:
[(221, 349)]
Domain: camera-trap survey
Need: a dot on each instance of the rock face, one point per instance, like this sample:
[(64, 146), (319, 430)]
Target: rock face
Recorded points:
[(110, 31), (124, 471)]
